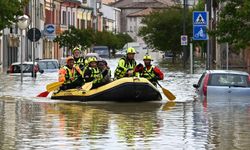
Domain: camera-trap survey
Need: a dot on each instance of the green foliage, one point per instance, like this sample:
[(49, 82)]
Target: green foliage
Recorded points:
[(9, 10), (75, 37), (123, 39), (234, 23), (163, 29), (200, 6), (85, 38)]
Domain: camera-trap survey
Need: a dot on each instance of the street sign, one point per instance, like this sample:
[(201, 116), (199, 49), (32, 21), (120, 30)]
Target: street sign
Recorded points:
[(184, 40), (34, 36), (200, 33), (200, 24), (50, 28), (200, 18)]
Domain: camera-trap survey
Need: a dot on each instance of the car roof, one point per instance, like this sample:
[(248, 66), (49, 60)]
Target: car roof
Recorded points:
[(93, 55), (25, 62), (227, 72), (48, 60)]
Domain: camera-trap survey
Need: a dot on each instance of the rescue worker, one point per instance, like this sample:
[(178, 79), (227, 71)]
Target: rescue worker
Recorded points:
[(126, 65), (106, 72), (70, 75), (78, 60), (148, 71), (93, 73)]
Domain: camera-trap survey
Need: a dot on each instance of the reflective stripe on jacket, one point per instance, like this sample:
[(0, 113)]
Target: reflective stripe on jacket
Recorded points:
[(80, 62), (68, 75), (93, 74), (123, 66), (149, 73)]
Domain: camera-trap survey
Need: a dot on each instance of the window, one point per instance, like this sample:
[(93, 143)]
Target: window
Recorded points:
[(69, 18), (73, 19), (64, 18), (228, 80), (41, 12), (82, 24)]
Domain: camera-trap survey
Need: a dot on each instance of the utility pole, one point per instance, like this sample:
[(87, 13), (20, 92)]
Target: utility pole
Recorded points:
[(184, 32), (209, 56)]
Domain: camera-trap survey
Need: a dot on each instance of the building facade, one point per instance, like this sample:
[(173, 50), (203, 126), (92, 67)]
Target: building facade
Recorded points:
[(132, 11)]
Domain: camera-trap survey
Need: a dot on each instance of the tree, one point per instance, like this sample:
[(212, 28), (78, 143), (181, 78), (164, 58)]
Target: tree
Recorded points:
[(123, 39), (87, 37), (9, 10), (163, 29), (111, 40), (233, 25), (75, 37)]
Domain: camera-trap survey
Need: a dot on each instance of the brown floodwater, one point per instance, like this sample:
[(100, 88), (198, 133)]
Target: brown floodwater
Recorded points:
[(28, 122)]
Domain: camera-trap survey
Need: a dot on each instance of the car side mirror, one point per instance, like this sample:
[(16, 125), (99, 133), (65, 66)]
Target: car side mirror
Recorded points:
[(196, 86), (41, 71)]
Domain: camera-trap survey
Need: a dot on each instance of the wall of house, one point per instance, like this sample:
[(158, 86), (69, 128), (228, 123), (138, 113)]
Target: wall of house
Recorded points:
[(124, 23), (247, 59)]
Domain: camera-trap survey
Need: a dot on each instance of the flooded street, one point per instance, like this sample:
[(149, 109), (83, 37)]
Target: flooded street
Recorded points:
[(28, 122)]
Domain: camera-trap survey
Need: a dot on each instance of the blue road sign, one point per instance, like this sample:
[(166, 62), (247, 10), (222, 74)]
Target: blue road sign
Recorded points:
[(200, 18), (200, 33)]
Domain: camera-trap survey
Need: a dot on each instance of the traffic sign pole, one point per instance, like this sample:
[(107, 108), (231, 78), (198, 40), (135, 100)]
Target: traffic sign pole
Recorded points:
[(191, 58), (33, 57)]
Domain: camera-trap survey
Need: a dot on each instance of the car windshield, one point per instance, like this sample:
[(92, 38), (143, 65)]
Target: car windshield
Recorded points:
[(48, 65), (26, 68), (229, 80)]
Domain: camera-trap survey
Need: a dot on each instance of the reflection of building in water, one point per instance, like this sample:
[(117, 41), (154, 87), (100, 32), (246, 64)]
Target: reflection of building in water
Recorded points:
[(80, 120), (7, 124), (93, 121), (131, 126)]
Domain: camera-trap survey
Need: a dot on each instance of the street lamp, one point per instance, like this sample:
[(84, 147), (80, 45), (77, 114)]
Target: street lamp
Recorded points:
[(23, 23)]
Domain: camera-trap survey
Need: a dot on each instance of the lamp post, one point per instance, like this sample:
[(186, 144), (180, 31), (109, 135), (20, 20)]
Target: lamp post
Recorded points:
[(23, 23)]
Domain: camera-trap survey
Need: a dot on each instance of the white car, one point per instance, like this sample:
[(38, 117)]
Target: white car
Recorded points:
[(223, 85), (15, 68), (48, 65)]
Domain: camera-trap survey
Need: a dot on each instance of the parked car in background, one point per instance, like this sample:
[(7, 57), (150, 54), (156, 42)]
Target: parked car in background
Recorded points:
[(48, 65), (103, 51), (96, 55), (15, 68), (62, 62), (223, 85), (168, 55)]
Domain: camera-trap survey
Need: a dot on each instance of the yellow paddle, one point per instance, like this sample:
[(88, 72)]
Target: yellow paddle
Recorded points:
[(53, 86), (166, 92), (168, 106), (87, 86)]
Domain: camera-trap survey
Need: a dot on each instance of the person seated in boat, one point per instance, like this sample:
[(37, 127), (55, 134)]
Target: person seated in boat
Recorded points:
[(92, 73), (106, 72), (126, 65), (71, 75), (78, 60), (148, 71)]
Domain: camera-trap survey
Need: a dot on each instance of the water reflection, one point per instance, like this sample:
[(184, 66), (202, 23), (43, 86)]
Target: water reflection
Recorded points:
[(56, 125), (230, 124), (33, 124)]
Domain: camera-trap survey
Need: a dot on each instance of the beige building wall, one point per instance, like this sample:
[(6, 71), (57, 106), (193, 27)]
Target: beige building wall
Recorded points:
[(108, 1)]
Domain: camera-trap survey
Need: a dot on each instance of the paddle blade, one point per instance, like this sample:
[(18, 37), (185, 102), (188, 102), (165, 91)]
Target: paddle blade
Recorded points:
[(43, 94), (53, 86), (168, 94), (168, 106), (87, 86)]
